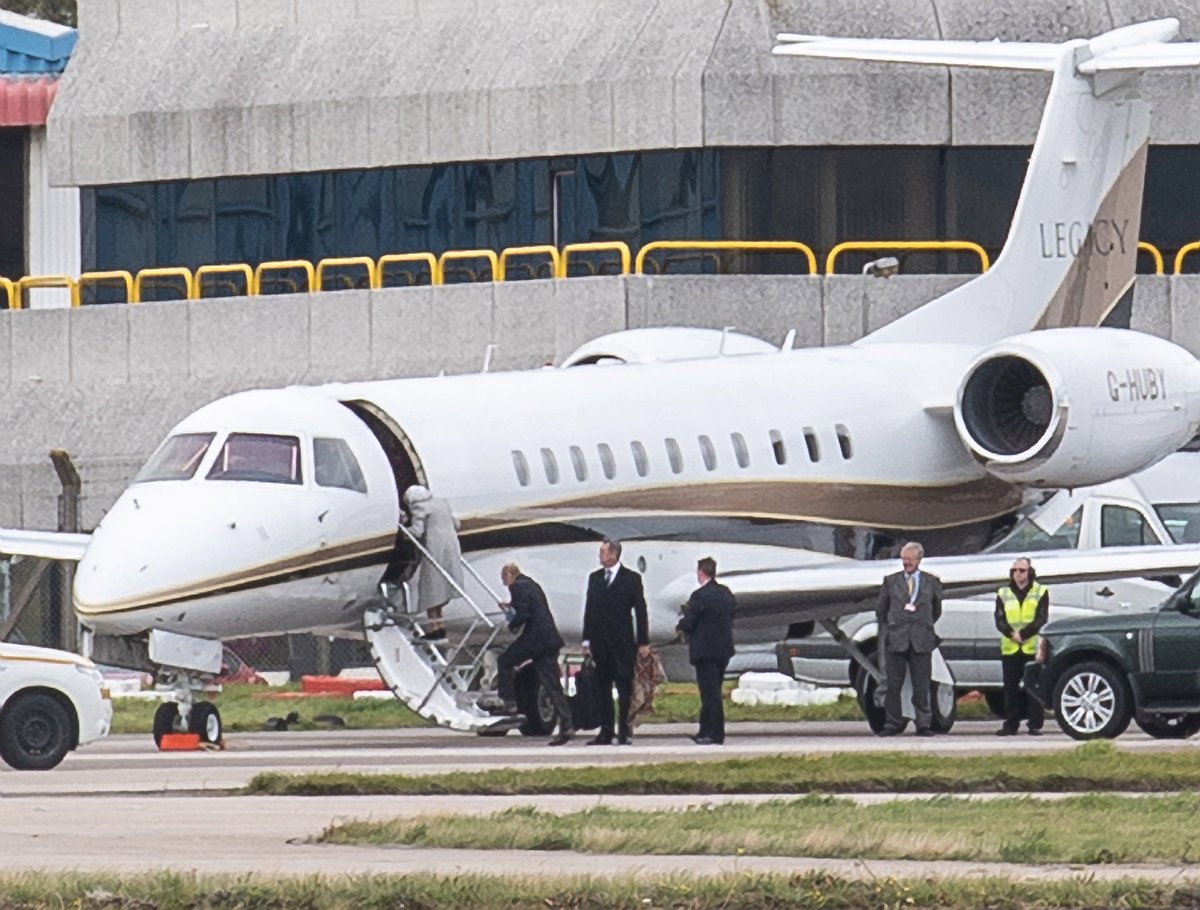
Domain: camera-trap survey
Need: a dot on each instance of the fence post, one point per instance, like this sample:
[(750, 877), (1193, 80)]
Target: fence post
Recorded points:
[(68, 520)]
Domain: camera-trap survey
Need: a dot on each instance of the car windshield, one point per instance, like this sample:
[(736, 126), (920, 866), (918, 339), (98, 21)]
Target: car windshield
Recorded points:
[(177, 458), (258, 457), (1029, 537), (1182, 521)]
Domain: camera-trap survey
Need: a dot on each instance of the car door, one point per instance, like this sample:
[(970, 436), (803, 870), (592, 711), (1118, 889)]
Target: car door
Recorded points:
[(1121, 525), (1174, 676)]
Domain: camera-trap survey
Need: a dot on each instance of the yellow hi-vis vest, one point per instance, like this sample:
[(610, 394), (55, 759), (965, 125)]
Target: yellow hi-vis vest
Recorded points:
[(1019, 614)]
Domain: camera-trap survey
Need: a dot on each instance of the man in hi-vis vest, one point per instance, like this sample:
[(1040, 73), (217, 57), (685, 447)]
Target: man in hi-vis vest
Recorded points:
[(1022, 608)]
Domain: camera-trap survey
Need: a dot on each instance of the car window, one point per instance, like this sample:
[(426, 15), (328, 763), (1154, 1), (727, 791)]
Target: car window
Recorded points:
[(260, 457), (177, 458), (1121, 526), (1028, 537), (1182, 521)]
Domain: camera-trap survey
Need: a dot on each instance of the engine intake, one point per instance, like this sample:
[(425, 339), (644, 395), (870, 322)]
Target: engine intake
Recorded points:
[(1007, 405)]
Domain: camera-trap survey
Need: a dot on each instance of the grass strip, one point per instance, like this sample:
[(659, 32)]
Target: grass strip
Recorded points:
[(1091, 829), (1094, 766), (245, 708), (164, 891)]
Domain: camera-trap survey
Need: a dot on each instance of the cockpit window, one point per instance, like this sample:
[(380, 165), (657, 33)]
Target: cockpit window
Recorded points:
[(177, 458), (335, 465), (259, 457)]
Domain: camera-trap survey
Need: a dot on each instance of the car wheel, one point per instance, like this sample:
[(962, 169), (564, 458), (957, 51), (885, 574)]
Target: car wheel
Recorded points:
[(35, 734), (166, 720), (535, 704), (1170, 726), (1091, 701), (864, 689), (943, 702), (205, 722)]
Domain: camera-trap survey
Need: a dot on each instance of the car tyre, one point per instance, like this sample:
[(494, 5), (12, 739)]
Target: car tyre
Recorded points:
[(943, 702), (35, 734), (864, 689), (1169, 726), (1092, 701), (205, 722), (166, 720)]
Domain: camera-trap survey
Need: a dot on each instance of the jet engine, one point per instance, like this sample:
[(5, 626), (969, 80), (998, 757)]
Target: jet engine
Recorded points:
[(1077, 406)]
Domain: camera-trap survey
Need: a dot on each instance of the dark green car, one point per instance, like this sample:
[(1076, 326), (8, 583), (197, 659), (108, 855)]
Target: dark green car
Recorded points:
[(1099, 672)]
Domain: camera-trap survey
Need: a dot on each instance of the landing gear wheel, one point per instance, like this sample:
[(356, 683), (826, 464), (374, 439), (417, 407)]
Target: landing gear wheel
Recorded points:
[(943, 701), (166, 720), (864, 689), (1091, 701), (35, 734), (205, 722), (1170, 726), (534, 703)]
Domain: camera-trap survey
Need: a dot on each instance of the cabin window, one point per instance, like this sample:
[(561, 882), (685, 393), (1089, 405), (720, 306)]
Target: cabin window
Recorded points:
[(550, 465), (521, 466), (607, 463), (674, 456), (259, 457), (708, 453), (843, 436), (778, 449), (579, 463), (740, 451), (177, 458), (640, 461), (334, 465), (810, 442)]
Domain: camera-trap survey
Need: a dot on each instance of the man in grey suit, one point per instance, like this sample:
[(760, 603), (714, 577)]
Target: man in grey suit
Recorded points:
[(910, 602)]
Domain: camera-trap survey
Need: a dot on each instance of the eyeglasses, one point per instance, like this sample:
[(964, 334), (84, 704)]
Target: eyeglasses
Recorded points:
[(1022, 571)]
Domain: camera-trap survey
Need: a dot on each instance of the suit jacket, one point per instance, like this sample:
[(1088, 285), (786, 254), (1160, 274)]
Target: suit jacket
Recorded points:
[(609, 616), (904, 629), (531, 614), (708, 622)]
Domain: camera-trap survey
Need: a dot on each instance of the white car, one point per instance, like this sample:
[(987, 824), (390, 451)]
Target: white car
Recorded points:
[(50, 702)]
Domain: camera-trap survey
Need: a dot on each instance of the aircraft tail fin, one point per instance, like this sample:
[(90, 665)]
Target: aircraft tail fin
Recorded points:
[(1072, 247)]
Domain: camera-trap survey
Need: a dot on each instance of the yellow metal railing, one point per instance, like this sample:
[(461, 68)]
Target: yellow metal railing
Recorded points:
[(616, 246), (1183, 251), (928, 246), (179, 272), (458, 255), (90, 278), (1150, 248), (231, 268), (283, 265), (14, 299), (343, 262), (536, 250), (768, 246), (435, 275), (29, 282)]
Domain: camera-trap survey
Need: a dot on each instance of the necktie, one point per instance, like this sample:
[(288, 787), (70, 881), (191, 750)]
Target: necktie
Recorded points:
[(608, 576), (910, 585)]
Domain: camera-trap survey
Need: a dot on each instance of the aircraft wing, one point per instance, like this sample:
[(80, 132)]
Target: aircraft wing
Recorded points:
[(850, 586), (46, 544)]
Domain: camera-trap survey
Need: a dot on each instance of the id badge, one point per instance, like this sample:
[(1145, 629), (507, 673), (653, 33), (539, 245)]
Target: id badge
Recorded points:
[(910, 608)]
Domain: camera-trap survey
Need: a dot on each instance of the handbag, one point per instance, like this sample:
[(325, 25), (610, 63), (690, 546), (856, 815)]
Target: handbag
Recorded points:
[(585, 703)]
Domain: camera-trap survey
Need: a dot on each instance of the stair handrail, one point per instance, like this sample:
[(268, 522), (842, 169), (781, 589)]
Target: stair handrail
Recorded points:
[(454, 584)]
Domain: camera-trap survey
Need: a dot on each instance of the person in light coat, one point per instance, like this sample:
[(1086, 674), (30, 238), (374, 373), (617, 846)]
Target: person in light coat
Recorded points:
[(435, 526)]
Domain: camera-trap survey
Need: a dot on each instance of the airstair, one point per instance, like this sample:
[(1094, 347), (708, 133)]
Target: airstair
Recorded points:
[(438, 680)]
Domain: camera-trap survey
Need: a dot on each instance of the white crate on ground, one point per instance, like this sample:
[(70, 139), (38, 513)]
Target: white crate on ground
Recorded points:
[(777, 689)]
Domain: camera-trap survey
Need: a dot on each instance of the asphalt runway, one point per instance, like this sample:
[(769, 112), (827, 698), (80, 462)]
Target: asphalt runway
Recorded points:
[(120, 805)]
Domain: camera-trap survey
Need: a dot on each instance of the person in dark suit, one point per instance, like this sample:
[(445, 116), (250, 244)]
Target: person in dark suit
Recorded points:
[(910, 602), (538, 643), (614, 629), (708, 622)]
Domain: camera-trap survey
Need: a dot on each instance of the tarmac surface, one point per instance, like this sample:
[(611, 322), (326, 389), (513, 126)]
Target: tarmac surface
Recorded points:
[(119, 805)]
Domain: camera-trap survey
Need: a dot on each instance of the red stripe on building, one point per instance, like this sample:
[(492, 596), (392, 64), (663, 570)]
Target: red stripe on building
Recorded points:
[(25, 100)]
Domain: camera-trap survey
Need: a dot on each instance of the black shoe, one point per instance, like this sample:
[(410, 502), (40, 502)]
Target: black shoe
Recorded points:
[(432, 635), (704, 741), (561, 739), (503, 709), (1035, 731), (1006, 731), (926, 732), (600, 741), (890, 731), (625, 741)]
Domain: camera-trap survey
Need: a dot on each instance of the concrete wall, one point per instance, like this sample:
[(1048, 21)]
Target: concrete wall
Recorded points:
[(169, 89), (107, 383)]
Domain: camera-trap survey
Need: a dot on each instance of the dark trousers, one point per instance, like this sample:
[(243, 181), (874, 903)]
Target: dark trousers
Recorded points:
[(919, 667), (1016, 700), (709, 676), (608, 674), (546, 668)]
